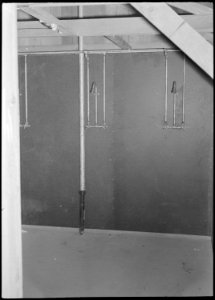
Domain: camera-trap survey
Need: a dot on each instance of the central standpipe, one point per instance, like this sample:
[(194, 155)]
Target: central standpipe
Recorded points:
[(82, 191)]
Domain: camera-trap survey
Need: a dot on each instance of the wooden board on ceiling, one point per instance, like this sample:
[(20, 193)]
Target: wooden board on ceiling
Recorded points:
[(70, 12), (109, 26)]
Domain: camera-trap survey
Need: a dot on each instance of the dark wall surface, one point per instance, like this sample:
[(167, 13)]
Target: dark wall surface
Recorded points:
[(139, 176)]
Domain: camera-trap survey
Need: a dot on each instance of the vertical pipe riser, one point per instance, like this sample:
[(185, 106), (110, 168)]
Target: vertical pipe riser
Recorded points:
[(82, 212), (166, 87), (82, 125), (88, 90), (183, 118), (82, 132), (104, 90)]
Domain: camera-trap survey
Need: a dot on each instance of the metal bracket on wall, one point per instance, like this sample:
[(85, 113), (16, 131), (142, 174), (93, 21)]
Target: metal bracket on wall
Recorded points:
[(175, 96), (26, 125), (93, 90)]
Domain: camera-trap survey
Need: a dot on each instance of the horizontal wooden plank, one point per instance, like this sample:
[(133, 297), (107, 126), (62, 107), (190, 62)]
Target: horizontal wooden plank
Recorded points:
[(61, 4), (108, 26), (71, 12), (92, 43), (192, 7)]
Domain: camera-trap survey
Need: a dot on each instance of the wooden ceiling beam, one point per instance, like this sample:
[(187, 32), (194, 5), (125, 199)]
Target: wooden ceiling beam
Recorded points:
[(192, 7), (178, 32), (109, 26), (66, 4)]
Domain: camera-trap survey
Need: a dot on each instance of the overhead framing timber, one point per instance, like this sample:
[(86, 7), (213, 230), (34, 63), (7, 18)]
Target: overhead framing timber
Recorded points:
[(109, 26), (179, 32), (57, 26), (185, 25)]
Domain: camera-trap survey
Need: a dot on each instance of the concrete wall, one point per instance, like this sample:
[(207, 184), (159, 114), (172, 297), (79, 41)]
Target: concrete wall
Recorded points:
[(139, 176)]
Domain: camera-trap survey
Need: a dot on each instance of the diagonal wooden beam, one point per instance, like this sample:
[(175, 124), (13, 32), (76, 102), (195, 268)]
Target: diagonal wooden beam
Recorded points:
[(48, 19), (179, 32), (119, 41), (192, 7)]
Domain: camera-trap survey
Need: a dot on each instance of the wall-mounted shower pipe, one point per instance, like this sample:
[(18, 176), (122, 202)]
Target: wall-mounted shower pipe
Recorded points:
[(98, 51), (94, 91), (96, 105), (88, 89), (26, 96), (82, 131), (183, 95), (174, 92), (166, 87), (104, 89)]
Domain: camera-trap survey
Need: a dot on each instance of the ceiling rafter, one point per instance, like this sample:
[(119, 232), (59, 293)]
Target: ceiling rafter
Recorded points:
[(179, 32), (119, 41), (116, 24), (46, 18)]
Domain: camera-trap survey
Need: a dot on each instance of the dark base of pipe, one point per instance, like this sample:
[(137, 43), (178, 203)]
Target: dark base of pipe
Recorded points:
[(82, 212)]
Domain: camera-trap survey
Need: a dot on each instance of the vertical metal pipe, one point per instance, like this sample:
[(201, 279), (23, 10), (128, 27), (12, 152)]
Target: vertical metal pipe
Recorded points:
[(26, 94), (104, 89), (88, 90), (174, 100), (174, 92), (96, 105), (183, 93), (166, 82), (82, 130)]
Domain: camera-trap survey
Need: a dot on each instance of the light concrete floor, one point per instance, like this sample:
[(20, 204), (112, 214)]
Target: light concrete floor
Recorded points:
[(58, 262)]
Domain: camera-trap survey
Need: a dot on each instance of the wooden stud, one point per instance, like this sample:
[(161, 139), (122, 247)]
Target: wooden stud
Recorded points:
[(11, 190)]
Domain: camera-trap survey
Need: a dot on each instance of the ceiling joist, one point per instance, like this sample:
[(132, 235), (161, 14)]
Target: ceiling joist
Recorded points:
[(108, 26), (67, 4)]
